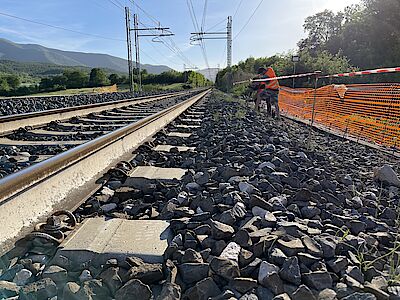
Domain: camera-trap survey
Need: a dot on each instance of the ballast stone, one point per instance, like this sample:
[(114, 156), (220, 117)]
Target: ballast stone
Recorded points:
[(387, 175)]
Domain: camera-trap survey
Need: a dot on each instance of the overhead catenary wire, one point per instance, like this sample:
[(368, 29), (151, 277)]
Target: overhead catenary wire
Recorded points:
[(237, 9), (61, 28), (196, 27), (222, 58), (119, 3), (116, 5), (149, 57), (155, 48), (161, 54), (249, 19), (172, 48), (100, 5), (203, 46), (168, 41), (214, 26), (145, 12), (204, 15), (234, 15), (193, 15)]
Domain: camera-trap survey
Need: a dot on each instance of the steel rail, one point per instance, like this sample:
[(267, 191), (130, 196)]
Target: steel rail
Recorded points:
[(13, 122), (35, 192)]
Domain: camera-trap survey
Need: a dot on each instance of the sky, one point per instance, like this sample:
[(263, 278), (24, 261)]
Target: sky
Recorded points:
[(276, 27)]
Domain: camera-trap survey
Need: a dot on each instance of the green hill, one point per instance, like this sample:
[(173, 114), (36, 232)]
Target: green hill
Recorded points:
[(28, 53)]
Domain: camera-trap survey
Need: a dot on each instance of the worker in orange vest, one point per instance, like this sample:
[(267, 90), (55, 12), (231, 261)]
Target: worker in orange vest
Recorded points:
[(268, 90)]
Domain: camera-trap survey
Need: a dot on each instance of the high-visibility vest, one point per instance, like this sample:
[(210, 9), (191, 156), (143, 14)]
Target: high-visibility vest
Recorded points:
[(271, 84)]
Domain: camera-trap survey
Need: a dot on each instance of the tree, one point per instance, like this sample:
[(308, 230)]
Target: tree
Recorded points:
[(116, 79), (98, 77), (321, 28), (76, 79), (282, 64), (367, 34), (4, 87), (13, 81), (46, 83)]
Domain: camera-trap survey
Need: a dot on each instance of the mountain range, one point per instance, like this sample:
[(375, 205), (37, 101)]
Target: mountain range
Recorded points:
[(37, 53)]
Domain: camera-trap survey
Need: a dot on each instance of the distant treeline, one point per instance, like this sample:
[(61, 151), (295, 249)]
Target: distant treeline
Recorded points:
[(363, 36), (10, 84)]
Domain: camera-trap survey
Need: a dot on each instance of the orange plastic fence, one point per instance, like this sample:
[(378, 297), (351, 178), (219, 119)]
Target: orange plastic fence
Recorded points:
[(366, 111)]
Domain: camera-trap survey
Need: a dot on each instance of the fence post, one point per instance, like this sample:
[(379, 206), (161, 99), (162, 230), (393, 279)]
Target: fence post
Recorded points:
[(359, 134), (316, 73), (347, 128)]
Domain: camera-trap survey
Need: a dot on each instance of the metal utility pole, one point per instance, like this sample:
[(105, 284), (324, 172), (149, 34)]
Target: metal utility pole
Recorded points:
[(229, 53), (200, 36), (164, 32), (129, 47), (229, 42), (137, 52)]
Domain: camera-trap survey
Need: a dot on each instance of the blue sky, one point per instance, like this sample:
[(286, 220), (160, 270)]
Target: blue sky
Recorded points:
[(275, 28)]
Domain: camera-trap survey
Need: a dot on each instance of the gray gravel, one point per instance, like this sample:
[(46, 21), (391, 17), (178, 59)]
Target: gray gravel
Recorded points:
[(21, 105), (258, 216)]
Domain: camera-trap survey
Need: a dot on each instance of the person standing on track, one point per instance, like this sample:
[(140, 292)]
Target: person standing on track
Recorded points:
[(268, 90)]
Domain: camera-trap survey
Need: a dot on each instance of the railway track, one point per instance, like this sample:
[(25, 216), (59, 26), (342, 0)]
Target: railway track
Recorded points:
[(219, 202), (30, 138), (34, 192)]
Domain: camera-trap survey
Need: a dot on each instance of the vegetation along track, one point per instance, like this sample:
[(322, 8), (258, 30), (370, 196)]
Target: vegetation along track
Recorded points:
[(257, 210), (27, 139)]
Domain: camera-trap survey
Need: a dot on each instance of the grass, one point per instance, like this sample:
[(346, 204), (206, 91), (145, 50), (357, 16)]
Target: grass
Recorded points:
[(67, 92), (240, 112), (216, 116), (391, 255), (154, 87), (121, 88)]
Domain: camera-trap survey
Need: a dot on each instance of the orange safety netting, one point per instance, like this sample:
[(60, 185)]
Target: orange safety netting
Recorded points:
[(365, 111)]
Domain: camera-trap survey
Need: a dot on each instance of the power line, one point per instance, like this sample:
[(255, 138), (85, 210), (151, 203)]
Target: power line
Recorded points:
[(203, 22), (237, 9), (172, 46), (159, 52), (145, 12), (119, 3), (100, 5), (149, 57), (155, 48), (196, 27), (62, 28), (193, 15), (116, 5), (203, 46), (249, 19), (223, 56), (219, 23)]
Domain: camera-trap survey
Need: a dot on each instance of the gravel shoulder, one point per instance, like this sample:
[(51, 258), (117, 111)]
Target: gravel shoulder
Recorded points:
[(261, 214)]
